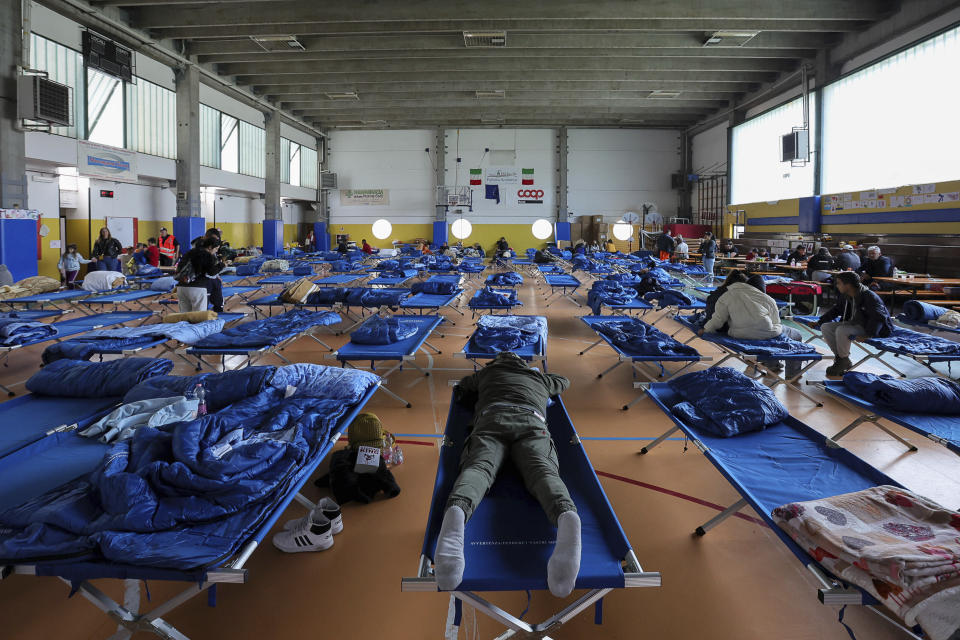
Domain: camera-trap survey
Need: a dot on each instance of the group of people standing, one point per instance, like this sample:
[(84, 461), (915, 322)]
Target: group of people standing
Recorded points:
[(107, 251)]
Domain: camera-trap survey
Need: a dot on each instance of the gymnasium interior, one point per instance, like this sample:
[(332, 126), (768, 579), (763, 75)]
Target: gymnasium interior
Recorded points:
[(459, 320)]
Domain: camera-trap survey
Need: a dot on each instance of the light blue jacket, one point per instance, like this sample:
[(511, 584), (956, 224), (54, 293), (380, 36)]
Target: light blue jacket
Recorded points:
[(72, 261)]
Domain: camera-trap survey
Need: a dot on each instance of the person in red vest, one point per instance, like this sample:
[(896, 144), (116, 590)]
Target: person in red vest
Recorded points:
[(169, 248)]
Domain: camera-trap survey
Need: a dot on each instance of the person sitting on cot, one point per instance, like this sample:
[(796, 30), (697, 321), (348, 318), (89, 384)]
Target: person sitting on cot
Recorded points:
[(509, 401)]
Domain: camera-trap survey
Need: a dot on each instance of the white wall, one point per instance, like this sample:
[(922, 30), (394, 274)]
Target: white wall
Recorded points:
[(393, 160), (233, 208), (612, 171), (43, 193), (535, 149), (709, 155), (132, 201)]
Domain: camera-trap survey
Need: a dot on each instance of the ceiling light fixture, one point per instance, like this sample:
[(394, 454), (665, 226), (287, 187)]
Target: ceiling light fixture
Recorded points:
[(731, 38)]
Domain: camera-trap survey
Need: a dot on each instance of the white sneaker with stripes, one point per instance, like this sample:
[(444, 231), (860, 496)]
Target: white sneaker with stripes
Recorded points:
[(315, 533), (329, 509)]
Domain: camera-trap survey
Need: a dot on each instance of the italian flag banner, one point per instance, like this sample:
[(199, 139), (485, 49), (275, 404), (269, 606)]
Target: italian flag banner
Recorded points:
[(476, 177), (527, 176)]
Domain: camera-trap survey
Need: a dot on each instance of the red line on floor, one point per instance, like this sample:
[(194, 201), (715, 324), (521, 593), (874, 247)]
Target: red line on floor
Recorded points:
[(682, 496), (426, 444)]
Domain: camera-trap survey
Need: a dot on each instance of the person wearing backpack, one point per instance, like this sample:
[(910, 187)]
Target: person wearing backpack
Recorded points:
[(197, 281)]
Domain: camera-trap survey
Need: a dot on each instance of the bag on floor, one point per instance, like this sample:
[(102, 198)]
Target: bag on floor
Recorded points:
[(298, 292)]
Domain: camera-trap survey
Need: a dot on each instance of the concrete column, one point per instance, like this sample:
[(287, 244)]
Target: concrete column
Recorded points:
[(188, 142), (271, 186), (439, 169), (561, 164), (13, 179), (825, 73)]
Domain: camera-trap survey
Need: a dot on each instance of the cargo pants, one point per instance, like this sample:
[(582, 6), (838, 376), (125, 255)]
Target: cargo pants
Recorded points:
[(525, 439)]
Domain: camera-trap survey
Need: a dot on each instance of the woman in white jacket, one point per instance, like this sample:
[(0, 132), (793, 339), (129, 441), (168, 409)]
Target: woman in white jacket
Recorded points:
[(751, 314)]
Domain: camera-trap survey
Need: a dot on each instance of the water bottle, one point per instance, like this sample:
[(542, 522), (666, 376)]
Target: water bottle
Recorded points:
[(201, 396)]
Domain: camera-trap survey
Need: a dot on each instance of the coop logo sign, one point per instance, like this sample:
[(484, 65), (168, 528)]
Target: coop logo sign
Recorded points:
[(100, 161), (530, 196)]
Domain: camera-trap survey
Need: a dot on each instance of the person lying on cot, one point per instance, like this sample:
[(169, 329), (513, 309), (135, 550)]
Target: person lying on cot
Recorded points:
[(509, 401)]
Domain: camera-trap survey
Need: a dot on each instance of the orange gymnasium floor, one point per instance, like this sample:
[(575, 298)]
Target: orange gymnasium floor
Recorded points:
[(737, 582)]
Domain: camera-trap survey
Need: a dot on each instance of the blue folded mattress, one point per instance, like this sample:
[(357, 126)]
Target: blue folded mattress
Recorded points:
[(509, 539), (395, 351)]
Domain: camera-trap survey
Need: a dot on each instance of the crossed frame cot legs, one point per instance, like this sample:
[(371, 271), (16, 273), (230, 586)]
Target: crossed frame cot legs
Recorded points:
[(634, 576), (397, 367), (862, 418)]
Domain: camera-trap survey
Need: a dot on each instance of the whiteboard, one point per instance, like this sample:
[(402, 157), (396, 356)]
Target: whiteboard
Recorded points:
[(123, 229)]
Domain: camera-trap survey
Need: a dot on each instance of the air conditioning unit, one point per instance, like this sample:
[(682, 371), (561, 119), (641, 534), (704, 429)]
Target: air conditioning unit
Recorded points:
[(44, 100), (328, 180), (795, 146)]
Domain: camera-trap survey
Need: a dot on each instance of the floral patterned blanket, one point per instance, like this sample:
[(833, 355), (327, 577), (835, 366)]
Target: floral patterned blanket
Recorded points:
[(902, 548)]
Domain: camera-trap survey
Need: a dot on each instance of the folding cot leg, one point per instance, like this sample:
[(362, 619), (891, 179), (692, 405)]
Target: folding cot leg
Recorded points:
[(610, 368), (321, 342), (666, 435), (591, 347), (876, 422), (427, 343), (720, 517)]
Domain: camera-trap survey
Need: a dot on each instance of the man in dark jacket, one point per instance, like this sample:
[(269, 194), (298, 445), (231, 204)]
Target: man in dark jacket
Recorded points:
[(858, 314), (799, 255), (666, 245), (848, 259), (509, 420), (875, 266)]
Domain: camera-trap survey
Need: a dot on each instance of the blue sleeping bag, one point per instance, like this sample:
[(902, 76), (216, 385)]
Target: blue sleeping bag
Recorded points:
[(166, 283), (377, 330), (148, 270), (916, 343), (14, 331), (920, 311), (724, 402), (301, 269), (638, 338), (222, 389), (268, 331), (508, 279), (388, 265), (340, 266), (184, 495), (496, 334), (372, 298), (441, 288), (118, 338), (80, 379), (488, 297), (248, 269), (609, 292), (669, 298), (327, 295), (920, 395)]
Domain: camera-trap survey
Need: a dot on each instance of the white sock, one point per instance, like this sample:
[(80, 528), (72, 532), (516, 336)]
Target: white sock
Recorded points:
[(564, 564), (448, 560)]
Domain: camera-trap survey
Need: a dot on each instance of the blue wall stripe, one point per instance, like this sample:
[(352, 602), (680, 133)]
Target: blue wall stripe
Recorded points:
[(751, 222), (895, 217)]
